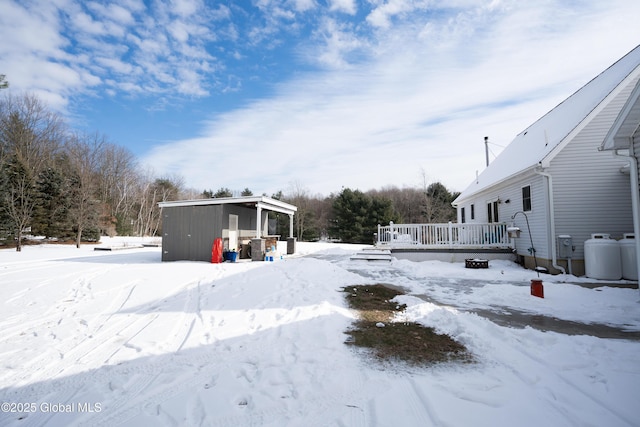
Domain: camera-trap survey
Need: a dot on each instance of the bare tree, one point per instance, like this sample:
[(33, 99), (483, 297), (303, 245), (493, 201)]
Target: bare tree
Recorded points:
[(298, 196), (117, 183), (407, 202), (151, 192), (18, 198), (84, 153), (30, 137), (437, 206)]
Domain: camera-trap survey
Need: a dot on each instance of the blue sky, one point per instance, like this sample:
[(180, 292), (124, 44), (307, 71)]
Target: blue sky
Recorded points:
[(310, 94)]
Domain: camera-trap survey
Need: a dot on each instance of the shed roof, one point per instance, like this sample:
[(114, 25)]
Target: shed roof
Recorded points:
[(262, 202), (627, 124), (541, 141)]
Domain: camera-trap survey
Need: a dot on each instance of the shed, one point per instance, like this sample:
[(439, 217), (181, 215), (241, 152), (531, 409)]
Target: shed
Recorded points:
[(555, 175), (189, 227)]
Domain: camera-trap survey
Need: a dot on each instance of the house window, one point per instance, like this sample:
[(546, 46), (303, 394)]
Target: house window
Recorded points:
[(462, 215), (526, 198), (492, 212), (473, 212)]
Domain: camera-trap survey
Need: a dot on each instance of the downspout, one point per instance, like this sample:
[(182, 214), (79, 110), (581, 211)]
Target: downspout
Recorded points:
[(552, 222), (635, 202)]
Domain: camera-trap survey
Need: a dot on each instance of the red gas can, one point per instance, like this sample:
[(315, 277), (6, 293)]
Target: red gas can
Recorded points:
[(537, 290)]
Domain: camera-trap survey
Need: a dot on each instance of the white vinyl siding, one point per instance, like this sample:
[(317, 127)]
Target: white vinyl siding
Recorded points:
[(591, 195), (526, 198), (636, 150), (510, 202)]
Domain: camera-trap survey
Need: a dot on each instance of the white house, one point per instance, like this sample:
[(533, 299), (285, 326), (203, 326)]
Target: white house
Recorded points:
[(555, 177), (624, 139)]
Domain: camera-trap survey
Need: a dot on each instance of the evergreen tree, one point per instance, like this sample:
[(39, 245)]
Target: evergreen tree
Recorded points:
[(51, 216), (223, 192), (381, 212), (246, 192), (438, 208), (357, 215)]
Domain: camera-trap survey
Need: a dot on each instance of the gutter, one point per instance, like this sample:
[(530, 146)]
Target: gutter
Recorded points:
[(552, 221), (635, 202)]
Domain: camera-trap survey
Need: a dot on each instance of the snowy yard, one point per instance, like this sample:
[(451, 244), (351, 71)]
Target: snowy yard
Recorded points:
[(119, 338)]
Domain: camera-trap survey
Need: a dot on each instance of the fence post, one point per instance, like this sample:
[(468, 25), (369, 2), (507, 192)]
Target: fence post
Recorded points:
[(390, 231), (450, 233)]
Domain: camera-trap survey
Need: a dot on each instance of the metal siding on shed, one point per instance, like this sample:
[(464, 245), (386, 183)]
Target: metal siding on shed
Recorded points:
[(175, 230), (591, 195), (206, 226), (246, 216), (189, 232)]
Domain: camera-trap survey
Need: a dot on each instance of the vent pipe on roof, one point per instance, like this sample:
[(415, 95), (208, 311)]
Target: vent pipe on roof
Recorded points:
[(486, 148)]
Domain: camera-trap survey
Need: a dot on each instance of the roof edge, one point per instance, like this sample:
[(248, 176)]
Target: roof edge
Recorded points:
[(264, 202), (460, 198), (635, 73), (609, 142)]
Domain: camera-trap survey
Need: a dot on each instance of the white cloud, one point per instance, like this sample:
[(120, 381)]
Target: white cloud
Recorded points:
[(303, 5), (112, 12), (382, 15), (185, 8), (336, 42), (95, 38), (433, 90), (417, 85), (346, 6), (115, 65)]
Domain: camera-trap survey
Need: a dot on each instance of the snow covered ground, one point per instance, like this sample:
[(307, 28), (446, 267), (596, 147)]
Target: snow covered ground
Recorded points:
[(119, 338)]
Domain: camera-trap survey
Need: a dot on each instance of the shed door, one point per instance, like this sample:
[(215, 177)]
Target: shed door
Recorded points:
[(176, 227)]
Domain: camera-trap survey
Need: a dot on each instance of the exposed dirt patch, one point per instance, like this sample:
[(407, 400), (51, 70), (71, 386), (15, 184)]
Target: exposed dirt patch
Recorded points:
[(390, 340)]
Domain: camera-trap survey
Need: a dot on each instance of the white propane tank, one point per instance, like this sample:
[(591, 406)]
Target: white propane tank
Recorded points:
[(628, 256), (602, 257)]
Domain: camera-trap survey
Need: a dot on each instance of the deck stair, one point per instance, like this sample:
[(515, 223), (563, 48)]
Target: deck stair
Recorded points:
[(373, 254)]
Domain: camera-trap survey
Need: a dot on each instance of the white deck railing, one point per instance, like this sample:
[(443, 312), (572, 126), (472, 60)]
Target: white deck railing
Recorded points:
[(444, 236)]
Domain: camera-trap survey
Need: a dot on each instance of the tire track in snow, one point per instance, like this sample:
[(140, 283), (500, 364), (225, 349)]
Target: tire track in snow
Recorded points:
[(215, 360), (542, 366), (16, 268), (191, 312), (121, 409), (67, 350), (25, 326), (424, 404)]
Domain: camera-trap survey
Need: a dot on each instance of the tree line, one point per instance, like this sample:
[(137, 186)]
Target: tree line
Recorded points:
[(75, 186), (352, 216), (68, 185)]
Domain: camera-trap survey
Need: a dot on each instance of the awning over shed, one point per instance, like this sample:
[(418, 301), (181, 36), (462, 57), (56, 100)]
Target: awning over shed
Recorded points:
[(260, 203)]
